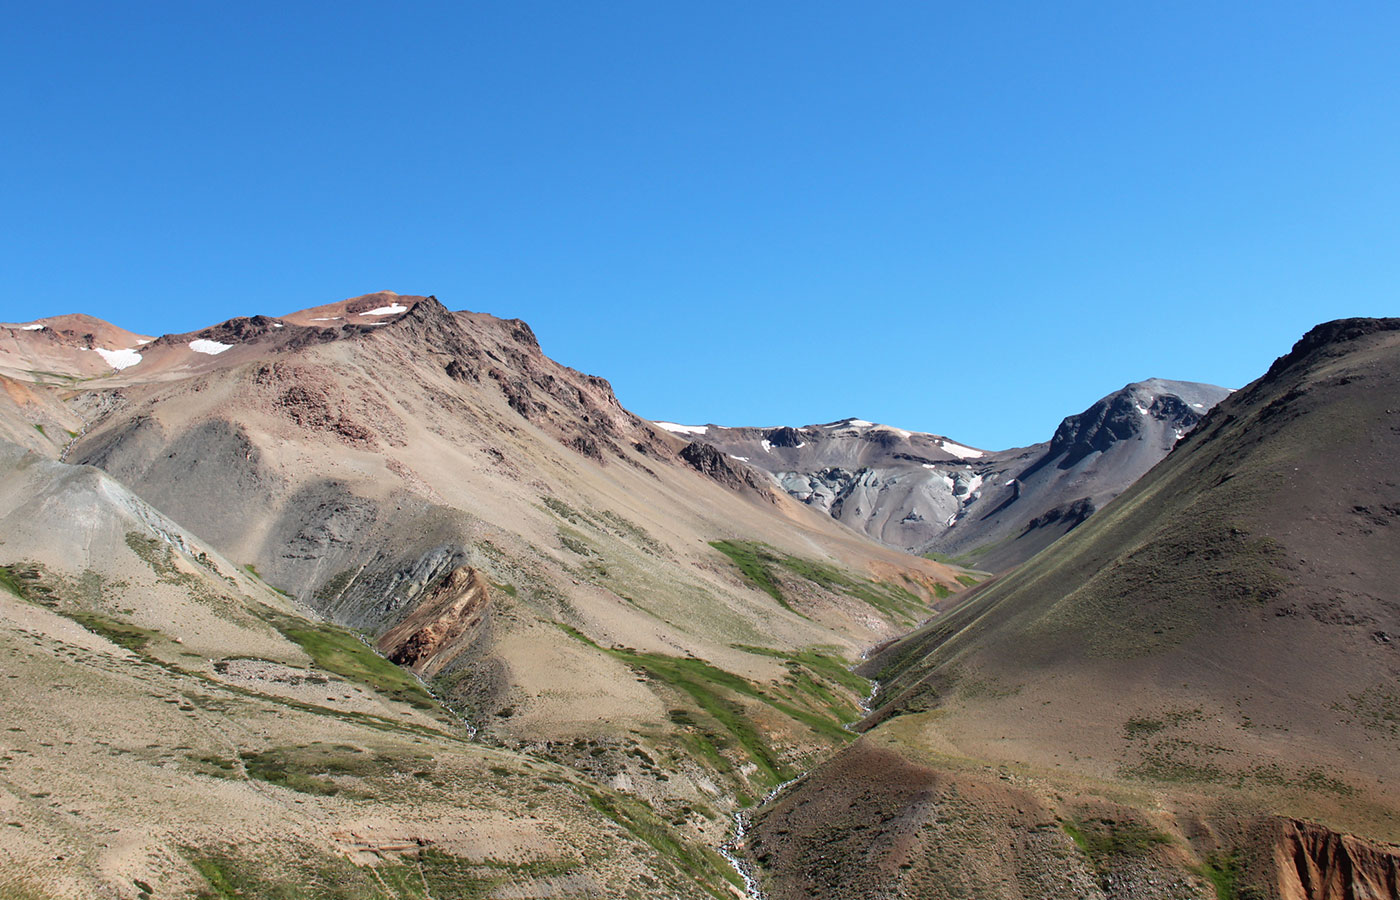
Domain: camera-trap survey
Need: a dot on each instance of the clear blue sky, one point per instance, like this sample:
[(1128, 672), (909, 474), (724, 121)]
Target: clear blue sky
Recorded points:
[(968, 218)]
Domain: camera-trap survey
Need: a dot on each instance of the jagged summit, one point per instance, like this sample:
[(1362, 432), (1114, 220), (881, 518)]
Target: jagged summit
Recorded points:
[(927, 493)]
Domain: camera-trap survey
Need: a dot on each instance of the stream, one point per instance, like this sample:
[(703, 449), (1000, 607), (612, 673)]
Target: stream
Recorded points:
[(729, 849)]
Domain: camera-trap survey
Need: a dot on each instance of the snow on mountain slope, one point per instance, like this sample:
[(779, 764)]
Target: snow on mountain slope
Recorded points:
[(926, 493)]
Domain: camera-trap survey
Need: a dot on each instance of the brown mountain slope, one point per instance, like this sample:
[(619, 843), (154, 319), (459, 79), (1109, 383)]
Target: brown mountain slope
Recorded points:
[(1216, 646), (174, 728), (673, 630)]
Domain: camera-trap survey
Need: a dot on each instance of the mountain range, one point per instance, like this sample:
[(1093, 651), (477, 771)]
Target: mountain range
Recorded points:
[(376, 599), (928, 494)]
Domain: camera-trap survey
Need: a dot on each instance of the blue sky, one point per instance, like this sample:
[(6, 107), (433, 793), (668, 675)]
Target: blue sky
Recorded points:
[(971, 219)]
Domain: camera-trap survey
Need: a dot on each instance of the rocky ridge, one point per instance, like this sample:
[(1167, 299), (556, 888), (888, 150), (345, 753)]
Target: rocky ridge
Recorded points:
[(991, 509)]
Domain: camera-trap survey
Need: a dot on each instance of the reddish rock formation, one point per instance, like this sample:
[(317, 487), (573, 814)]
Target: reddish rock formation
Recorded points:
[(442, 625), (1315, 863)]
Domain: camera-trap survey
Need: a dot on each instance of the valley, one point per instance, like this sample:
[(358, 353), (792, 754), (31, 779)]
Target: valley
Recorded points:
[(375, 599)]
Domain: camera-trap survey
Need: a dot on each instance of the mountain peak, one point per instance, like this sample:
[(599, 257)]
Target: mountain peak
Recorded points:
[(1327, 337)]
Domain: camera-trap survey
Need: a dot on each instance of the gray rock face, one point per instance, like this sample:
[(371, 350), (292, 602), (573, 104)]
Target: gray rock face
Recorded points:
[(924, 492)]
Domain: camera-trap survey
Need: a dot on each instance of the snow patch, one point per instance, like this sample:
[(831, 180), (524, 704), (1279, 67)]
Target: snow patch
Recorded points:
[(326, 319), (800, 445), (959, 450), (387, 310), (278, 325), (1199, 405), (143, 340), (739, 458), (1140, 408), (951, 519), (767, 447), (119, 359), (213, 348), (682, 429), (32, 328)]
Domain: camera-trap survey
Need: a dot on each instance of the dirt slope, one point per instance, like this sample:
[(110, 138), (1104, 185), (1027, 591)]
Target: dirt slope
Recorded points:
[(581, 586), (176, 728)]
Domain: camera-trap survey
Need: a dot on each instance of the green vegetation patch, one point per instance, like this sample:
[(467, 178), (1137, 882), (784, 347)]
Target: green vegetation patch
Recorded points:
[(1140, 726), (1376, 709), (756, 563), (9, 582), (607, 522), (231, 873), (726, 723), (705, 866), (312, 768), (123, 634), (819, 680), (1105, 840), (753, 566), (338, 650), (1222, 870), (1178, 760)]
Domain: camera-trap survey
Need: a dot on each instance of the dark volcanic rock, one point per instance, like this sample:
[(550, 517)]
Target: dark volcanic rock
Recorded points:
[(706, 460), (785, 437)]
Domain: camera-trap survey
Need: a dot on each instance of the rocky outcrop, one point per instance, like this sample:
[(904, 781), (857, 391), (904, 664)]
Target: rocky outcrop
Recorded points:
[(924, 492), (442, 626), (1315, 863), (710, 462)]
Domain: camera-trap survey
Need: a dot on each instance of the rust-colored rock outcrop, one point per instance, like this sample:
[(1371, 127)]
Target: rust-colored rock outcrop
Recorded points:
[(1315, 863), (442, 626)]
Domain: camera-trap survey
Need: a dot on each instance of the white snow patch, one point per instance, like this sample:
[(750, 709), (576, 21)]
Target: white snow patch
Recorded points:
[(32, 328), (387, 310), (739, 458), (119, 359), (1008, 483), (800, 445), (278, 325), (682, 429), (326, 319), (143, 340), (1140, 408), (951, 519), (860, 423), (213, 348), (767, 447), (1199, 405), (959, 450)]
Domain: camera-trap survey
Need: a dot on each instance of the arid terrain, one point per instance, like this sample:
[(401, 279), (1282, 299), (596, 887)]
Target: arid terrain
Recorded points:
[(375, 599), (1193, 694), (598, 622)]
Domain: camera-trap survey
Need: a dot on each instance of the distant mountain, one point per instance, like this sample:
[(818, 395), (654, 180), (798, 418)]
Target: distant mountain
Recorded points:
[(1197, 686), (991, 510)]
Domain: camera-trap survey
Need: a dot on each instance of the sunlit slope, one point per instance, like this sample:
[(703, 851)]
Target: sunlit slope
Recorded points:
[(574, 582), (175, 728)]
